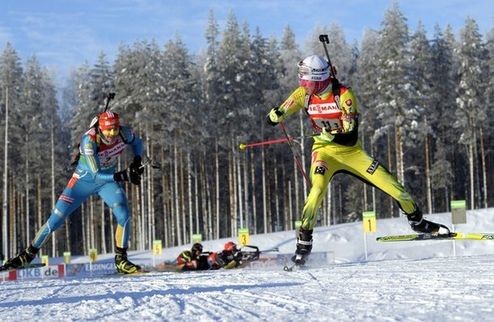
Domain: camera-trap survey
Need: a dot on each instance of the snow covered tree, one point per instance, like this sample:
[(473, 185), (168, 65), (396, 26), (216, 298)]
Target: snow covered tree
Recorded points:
[(393, 86), (471, 112), (368, 97), (440, 116), (418, 143), (11, 81)]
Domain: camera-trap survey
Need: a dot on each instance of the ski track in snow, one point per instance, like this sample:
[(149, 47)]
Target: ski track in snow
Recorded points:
[(435, 289), (410, 281)]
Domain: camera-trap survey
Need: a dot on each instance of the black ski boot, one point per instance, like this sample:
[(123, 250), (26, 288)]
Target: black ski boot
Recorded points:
[(23, 258), (304, 246), (420, 225), (123, 265)]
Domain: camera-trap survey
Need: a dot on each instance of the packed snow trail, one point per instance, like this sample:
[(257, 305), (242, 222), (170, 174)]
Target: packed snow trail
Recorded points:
[(435, 289)]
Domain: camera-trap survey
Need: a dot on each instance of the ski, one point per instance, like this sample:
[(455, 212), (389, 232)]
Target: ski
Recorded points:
[(450, 236), (3, 268)]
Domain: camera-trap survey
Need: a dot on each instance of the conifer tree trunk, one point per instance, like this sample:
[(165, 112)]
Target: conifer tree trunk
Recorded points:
[(203, 187), (484, 170), (289, 213), (246, 192), (21, 203), (399, 156), (176, 195), (428, 175), (232, 192), (52, 162), (166, 197), (102, 228), (6, 252), (209, 202), (264, 193), (92, 229), (196, 198), (12, 219), (39, 208), (182, 197), (276, 198), (142, 226), (151, 201), (472, 175), (254, 192), (28, 210), (390, 165), (189, 195), (239, 204), (217, 191)]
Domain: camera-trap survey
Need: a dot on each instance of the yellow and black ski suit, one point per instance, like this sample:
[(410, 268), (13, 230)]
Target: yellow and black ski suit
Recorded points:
[(337, 148)]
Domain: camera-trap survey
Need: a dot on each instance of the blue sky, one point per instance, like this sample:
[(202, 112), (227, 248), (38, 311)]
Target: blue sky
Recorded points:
[(64, 34)]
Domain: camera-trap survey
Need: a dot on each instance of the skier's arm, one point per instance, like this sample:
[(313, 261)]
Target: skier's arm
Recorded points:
[(134, 141), (292, 104)]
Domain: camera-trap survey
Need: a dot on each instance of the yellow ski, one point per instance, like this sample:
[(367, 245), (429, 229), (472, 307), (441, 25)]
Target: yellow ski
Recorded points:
[(450, 236)]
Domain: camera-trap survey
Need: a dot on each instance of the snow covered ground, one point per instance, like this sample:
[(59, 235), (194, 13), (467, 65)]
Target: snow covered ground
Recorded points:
[(406, 281)]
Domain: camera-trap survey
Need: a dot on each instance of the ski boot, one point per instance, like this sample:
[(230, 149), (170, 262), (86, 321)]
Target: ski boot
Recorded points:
[(421, 225), (23, 258), (304, 247), (123, 265)]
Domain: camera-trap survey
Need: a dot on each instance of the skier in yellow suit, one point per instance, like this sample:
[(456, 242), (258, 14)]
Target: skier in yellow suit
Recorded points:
[(337, 149)]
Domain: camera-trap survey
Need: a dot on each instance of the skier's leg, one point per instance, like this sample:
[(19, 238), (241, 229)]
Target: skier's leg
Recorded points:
[(115, 198), (71, 198), (75, 193), (321, 172), (372, 172)]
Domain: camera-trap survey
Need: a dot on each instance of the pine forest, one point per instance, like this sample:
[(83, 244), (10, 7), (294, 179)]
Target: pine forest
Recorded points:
[(425, 97)]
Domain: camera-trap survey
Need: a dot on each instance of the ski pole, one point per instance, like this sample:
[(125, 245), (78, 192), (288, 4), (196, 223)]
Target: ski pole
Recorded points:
[(151, 163), (335, 84), (95, 119), (275, 249), (325, 40), (244, 146), (298, 162), (109, 97)]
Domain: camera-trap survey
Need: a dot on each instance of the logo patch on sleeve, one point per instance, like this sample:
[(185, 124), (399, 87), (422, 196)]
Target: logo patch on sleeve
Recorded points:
[(373, 167), (349, 102), (320, 170)]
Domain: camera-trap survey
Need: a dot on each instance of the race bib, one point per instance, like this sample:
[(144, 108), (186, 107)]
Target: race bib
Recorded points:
[(326, 116)]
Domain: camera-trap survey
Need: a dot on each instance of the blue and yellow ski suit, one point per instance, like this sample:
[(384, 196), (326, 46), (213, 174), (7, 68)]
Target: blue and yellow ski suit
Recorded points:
[(94, 175)]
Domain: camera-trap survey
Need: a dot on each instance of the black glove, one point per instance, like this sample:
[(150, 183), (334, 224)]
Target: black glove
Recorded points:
[(136, 170), (136, 165), (134, 176), (121, 176)]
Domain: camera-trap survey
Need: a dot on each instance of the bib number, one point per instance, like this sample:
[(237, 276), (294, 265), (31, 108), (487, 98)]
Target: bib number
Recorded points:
[(328, 124)]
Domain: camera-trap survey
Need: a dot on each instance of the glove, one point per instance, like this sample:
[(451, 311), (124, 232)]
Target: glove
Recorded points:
[(121, 176), (136, 165), (136, 170), (134, 177), (273, 117)]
